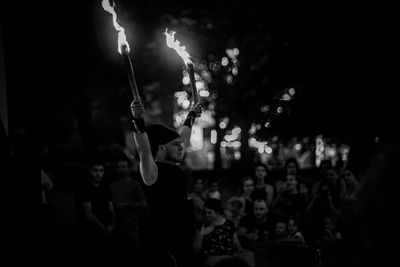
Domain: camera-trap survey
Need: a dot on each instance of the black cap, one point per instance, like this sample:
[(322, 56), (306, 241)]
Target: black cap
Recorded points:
[(160, 134)]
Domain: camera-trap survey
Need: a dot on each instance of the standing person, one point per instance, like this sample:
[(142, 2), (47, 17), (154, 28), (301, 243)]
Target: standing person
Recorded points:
[(246, 189), (262, 189), (171, 216), (130, 206), (95, 210)]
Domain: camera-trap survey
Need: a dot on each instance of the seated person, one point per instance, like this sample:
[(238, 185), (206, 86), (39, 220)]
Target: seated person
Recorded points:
[(234, 210), (258, 225), (295, 236), (215, 237), (280, 231)]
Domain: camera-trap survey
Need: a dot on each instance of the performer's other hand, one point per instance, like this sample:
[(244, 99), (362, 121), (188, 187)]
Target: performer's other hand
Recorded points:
[(137, 108)]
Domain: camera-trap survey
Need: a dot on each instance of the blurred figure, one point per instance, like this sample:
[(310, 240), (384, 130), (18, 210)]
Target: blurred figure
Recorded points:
[(95, 209), (333, 182), (46, 211), (371, 240), (234, 210), (215, 238), (331, 233), (213, 191), (331, 242), (246, 190), (199, 195), (290, 201), (295, 236), (262, 188), (320, 206), (351, 187), (257, 226), (47, 185), (280, 233), (291, 168), (130, 208)]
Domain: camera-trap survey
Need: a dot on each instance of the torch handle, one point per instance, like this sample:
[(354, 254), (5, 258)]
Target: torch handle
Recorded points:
[(131, 77), (192, 83)]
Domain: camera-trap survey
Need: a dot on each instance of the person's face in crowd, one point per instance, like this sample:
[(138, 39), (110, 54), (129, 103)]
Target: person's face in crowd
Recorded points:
[(214, 187), (349, 177), (248, 187), (235, 206), (122, 168), (280, 228), (97, 173), (174, 150), (199, 186), (291, 168), (260, 209), (291, 181), (210, 215), (331, 175), (329, 224), (292, 226), (261, 173)]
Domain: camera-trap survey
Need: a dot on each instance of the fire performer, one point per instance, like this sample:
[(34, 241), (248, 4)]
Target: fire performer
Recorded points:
[(167, 236), (161, 149)]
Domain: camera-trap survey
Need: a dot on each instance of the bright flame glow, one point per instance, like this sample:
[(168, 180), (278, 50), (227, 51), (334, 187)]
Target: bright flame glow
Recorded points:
[(121, 31), (175, 44)]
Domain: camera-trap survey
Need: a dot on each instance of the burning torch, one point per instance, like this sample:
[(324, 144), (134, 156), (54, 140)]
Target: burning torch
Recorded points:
[(123, 49), (181, 50)]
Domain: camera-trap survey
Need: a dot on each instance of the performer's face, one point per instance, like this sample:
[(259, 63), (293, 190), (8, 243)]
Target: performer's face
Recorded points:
[(174, 150)]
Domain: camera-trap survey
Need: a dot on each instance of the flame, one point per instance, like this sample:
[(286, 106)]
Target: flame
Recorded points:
[(122, 43), (175, 44)]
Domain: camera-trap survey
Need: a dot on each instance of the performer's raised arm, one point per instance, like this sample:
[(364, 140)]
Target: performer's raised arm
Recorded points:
[(147, 167)]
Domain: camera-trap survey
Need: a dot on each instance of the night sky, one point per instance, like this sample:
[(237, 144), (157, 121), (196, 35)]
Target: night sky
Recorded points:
[(337, 55)]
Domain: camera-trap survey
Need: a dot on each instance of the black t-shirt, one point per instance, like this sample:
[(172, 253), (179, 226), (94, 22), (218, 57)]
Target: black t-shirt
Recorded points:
[(99, 197), (171, 210), (263, 228)]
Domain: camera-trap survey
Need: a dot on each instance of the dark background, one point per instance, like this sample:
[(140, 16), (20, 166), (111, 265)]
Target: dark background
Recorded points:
[(336, 54), (339, 55)]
